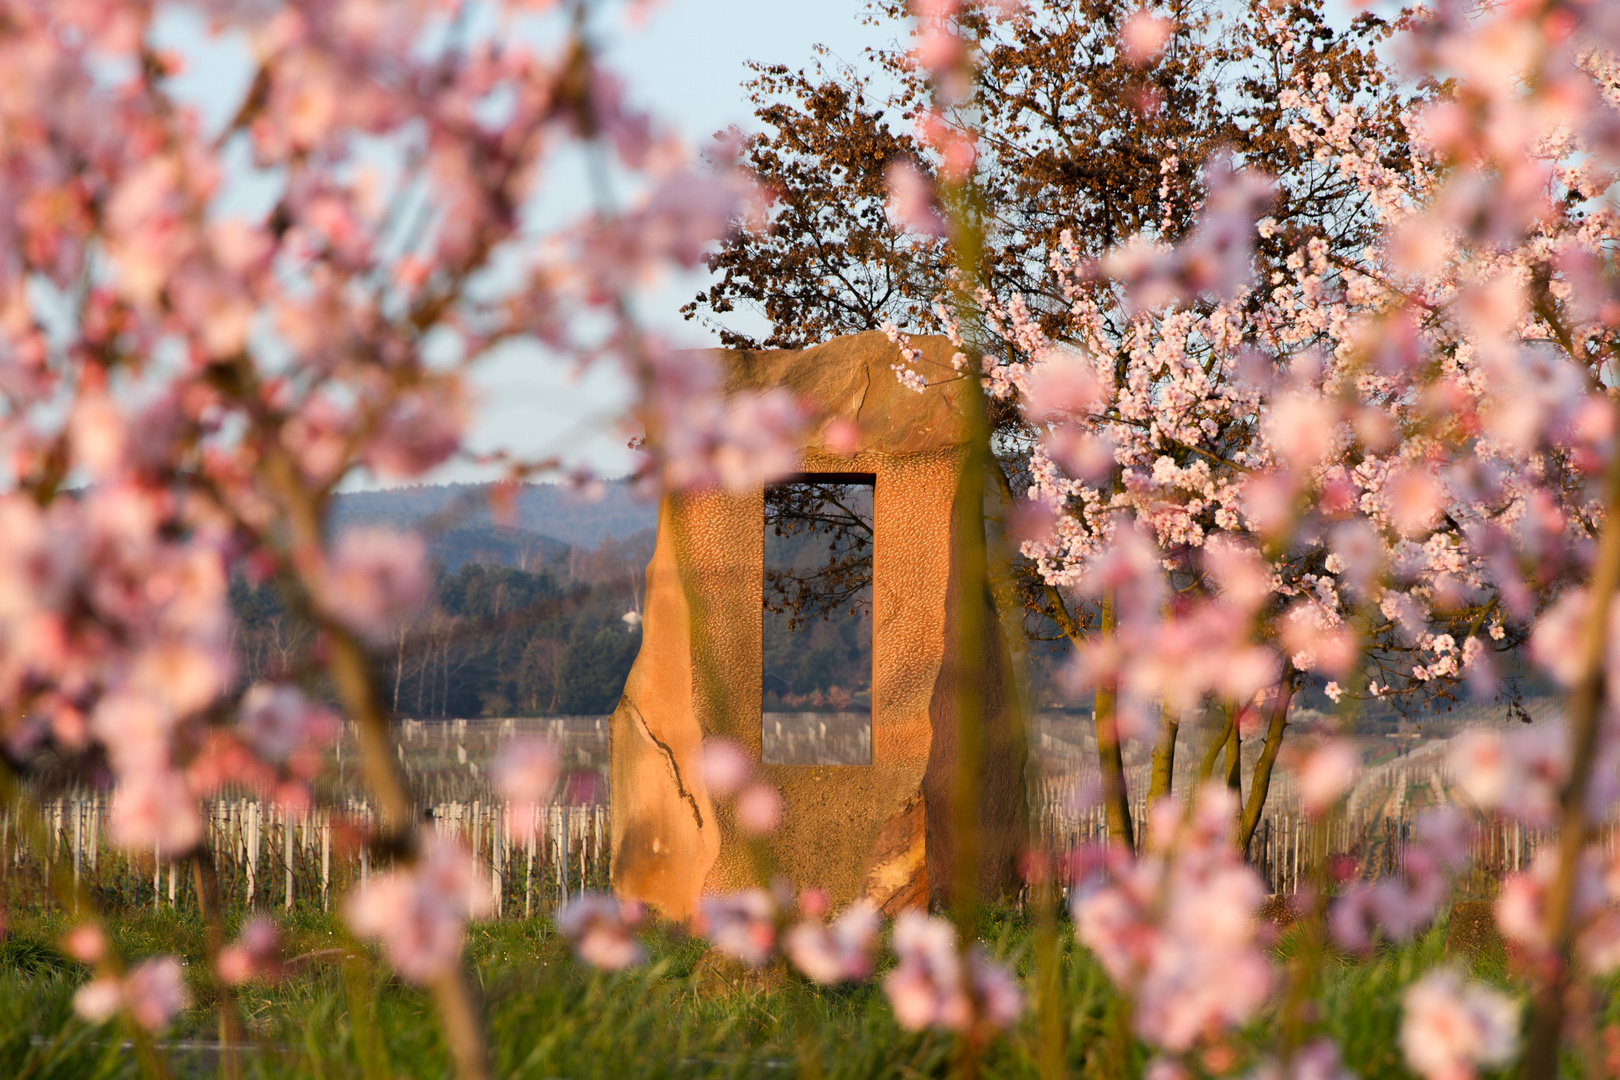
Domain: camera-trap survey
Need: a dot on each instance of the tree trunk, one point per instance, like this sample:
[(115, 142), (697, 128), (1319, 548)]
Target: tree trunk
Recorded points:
[(1213, 754), (1260, 785), (1161, 781), (1585, 713), (1234, 757), (1110, 762)]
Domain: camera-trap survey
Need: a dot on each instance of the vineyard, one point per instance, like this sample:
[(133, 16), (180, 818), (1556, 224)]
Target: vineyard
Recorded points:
[(269, 857)]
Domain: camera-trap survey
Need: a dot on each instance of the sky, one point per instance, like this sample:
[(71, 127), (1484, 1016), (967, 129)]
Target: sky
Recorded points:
[(686, 65)]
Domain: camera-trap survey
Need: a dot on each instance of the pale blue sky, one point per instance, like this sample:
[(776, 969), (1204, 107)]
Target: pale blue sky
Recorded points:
[(687, 65)]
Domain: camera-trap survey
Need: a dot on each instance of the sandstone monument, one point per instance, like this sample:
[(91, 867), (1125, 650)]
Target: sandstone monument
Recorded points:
[(880, 830)]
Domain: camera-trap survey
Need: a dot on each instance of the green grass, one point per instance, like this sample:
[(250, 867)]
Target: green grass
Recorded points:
[(682, 1015)]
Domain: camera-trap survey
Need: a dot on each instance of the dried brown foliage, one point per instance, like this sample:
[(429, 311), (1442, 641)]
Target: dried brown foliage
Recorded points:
[(1071, 137)]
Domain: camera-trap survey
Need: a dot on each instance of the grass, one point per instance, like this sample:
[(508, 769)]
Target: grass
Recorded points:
[(685, 1014)]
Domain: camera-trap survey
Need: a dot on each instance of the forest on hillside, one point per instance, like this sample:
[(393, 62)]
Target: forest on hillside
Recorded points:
[(523, 624), (495, 640)]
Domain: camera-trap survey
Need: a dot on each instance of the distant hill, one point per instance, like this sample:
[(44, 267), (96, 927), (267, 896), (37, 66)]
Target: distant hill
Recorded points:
[(458, 520), (490, 544)]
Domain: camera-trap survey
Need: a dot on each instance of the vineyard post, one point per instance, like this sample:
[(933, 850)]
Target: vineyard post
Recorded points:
[(288, 823)]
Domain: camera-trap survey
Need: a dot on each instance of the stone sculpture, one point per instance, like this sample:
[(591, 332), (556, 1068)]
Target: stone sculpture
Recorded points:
[(883, 830)]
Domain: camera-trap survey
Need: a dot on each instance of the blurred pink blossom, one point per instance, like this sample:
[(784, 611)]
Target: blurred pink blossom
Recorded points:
[(155, 809), (1325, 775), (726, 766), (1143, 36), (1316, 1060), (933, 985), (99, 1000), (419, 912), (602, 930), (1451, 1026), (525, 772), (1062, 384), (911, 200), (374, 581), (421, 430), (759, 809), (741, 924), (255, 953), (1518, 774), (154, 992), (1401, 905), (835, 954), (278, 721), (86, 943), (1177, 929), (1521, 907)]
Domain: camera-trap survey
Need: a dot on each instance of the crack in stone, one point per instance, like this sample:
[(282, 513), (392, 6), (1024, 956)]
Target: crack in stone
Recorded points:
[(674, 770)]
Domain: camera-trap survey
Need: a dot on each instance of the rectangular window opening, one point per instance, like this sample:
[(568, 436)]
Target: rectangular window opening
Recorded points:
[(817, 643)]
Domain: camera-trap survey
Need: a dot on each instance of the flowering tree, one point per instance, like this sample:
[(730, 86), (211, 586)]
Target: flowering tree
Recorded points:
[(186, 385), (1376, 466), (1371, 463), (1397, 467), (1084, 127)]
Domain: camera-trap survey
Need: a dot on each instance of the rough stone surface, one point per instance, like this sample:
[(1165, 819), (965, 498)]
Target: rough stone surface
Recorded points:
[(881, 830)]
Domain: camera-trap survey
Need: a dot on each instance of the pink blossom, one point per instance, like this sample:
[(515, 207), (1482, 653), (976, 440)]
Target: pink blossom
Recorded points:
[(759, 809), (1300, 429), (996, 993), (935, 986), (1318, 1060), (1555, 645), (1063, 384), (154, 992), (525, 772), (98, 436), (278, 721), (835, 954), (1325, 775), (1082, 455), (957, 148), (925, 989), (1143, 36), (99, 1000), (374, 581), (911, 200), (1450, 1027), (254, 954), (421, 430), (1521, 906), (710, 439), (419, 911), (1318, 639), (1415, 499), (1161, 1068), (602, 930), (742, 924), (1177, 929), (726, 766), (842, 436), (1401, 905), (1518, 774), (155, 809), (1216, 258), (85, 943)]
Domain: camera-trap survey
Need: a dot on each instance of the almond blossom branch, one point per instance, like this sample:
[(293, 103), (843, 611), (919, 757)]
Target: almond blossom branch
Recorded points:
[(1585, 722)]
